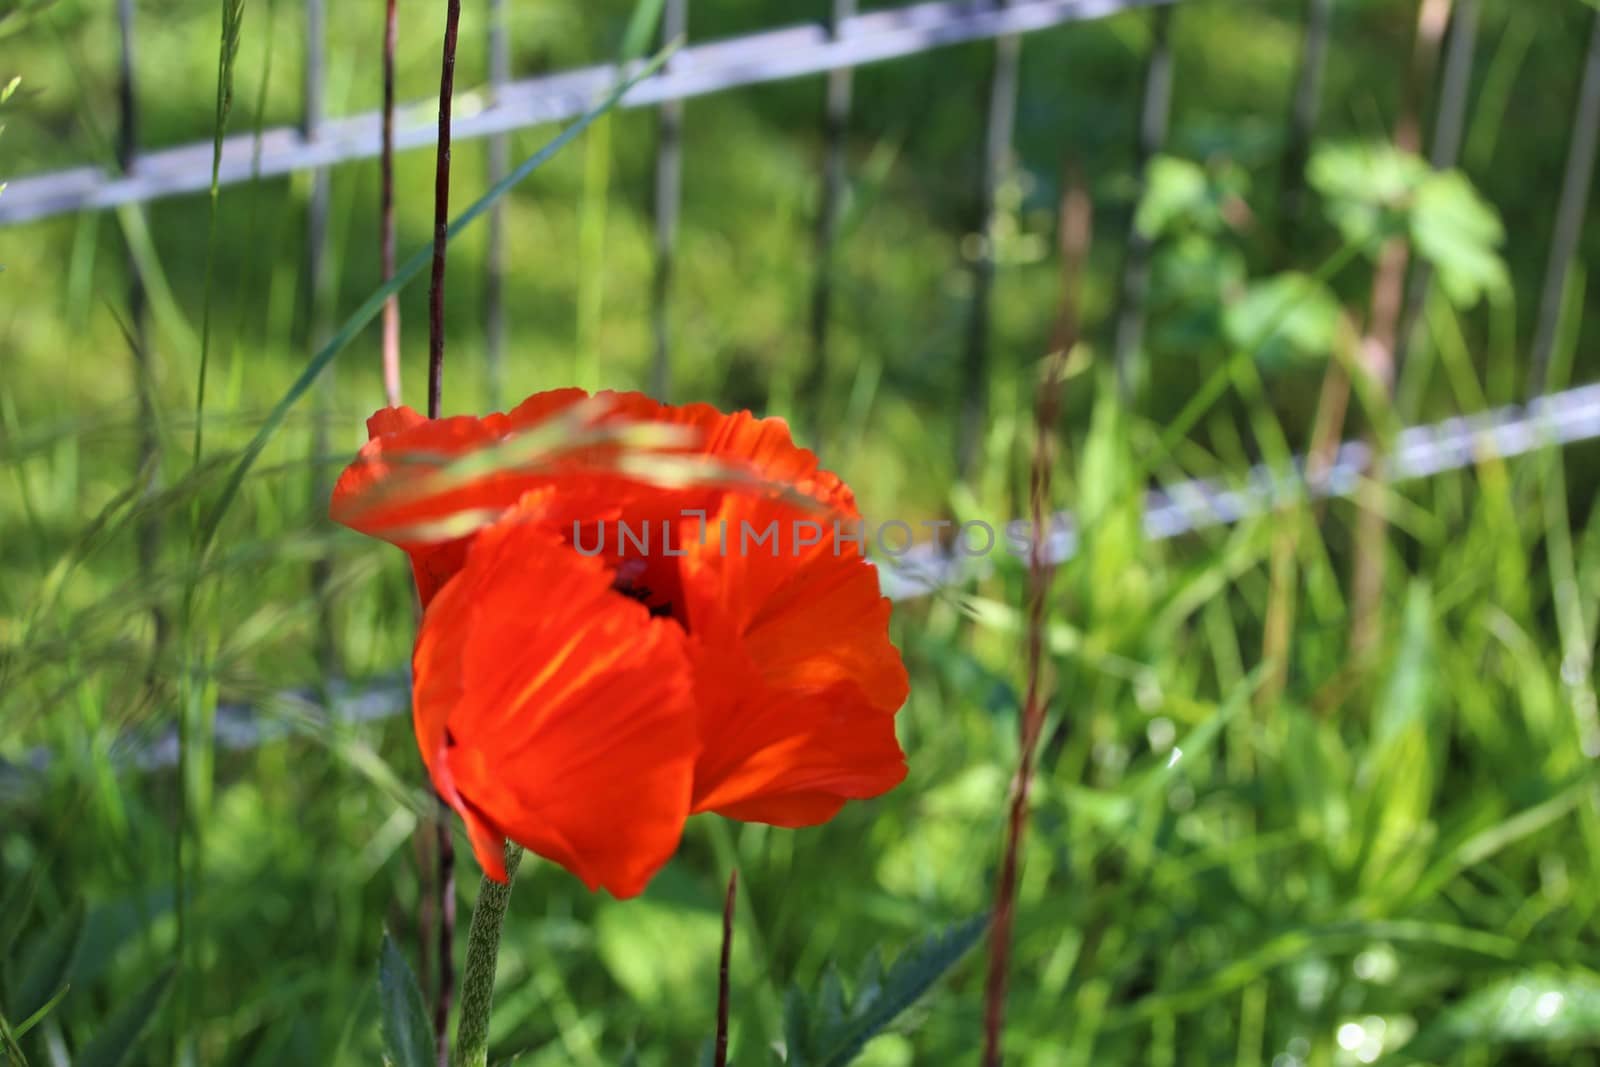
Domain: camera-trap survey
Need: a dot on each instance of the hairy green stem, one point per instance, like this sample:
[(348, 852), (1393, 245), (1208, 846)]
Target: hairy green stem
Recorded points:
[(483, 951)]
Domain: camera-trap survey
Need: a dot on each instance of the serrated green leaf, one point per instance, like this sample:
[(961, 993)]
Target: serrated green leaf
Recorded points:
[(796, 1028), (869, 981), (1285, 318), (118, 1037), (407, 1032), (830, 1000), (49, 965), (815, 1039), (1460, 233), (1175, 190), (1366, 189)]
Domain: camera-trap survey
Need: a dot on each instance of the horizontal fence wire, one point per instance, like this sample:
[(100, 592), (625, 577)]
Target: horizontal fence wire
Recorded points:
[(756, 58), (1169, 512)]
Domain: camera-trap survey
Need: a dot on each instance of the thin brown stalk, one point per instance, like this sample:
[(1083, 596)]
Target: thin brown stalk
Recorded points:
[(1075, 233), (441, 210), (724, 985), (391, 307), (447, 935), (441, 236)]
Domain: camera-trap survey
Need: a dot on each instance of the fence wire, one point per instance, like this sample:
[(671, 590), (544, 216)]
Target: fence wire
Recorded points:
[(1169, 512)]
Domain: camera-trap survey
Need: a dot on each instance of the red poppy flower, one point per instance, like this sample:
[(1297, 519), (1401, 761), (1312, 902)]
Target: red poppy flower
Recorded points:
[(605, 651)]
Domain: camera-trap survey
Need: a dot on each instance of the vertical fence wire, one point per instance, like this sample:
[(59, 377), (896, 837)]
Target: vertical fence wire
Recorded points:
[(1304, 112), (149, 530), (494, 314), (314, 91), (999, 128), (836, 120), (1570, 212), (1449, 124), (668, 197), (1154, 118)]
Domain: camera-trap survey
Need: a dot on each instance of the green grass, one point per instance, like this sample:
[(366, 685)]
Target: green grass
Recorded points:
[(1346, 846)]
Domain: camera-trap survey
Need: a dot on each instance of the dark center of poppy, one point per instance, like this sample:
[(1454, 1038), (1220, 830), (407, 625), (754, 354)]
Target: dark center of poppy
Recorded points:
[(660, 610), (630, 583)]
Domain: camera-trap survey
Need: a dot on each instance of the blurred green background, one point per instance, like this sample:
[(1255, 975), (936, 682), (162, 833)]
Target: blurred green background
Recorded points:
[(1390, 853)]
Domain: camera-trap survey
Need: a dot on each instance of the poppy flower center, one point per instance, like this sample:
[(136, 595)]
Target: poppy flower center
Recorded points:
[(633, 581)]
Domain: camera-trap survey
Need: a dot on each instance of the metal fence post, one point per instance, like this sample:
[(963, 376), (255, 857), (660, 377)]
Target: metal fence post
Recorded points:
[(1570, 213), (1155, 113), (149, 529), (998, 132), (1448, 126), (499, 165), (1304, 111), (316, 249), (836, 119), (669, 192)]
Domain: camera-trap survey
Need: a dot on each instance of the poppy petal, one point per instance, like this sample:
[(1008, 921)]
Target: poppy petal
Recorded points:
[(787, 757), (796, 679), (555, 711)]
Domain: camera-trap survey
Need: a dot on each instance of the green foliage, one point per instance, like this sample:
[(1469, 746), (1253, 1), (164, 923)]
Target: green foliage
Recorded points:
[(1286, 318), (46, 968), (1560, 1008), (119, 1037), (1182, 196), (831, 1028), (1460, 233), (407, 1027), (1367, 189), (1373, 193), (6, 92), (1220, 870)]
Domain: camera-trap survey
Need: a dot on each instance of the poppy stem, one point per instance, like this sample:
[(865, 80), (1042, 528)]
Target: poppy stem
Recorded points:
[(723, 972), (483, 952)]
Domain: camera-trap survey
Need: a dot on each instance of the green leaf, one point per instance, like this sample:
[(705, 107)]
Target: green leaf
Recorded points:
[(1181, 196), (38, 1016), (1561, 1007), (1460, 233), (835, 1032), (16, 907), (1175, 190), (1397, 777), (8, 1045), (641, 28), (1286, 318), (407, 1032), (118, 1037), (49, 964), (797, 1028), (1367, 189)]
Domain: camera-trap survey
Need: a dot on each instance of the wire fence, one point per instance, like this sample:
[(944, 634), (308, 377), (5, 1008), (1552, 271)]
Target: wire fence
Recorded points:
[(833, 47), (929, 569)]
